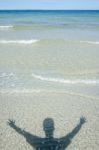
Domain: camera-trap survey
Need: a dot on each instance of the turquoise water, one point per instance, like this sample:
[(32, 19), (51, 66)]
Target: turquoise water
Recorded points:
[(54, 51)]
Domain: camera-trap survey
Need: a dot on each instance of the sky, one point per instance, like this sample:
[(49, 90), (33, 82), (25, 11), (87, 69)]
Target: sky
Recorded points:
[(49, 4)]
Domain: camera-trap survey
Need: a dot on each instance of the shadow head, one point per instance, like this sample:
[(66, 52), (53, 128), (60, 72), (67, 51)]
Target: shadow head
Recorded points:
[(48, 127)]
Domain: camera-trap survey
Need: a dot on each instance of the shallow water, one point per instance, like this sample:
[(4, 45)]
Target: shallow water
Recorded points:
[(55, 51)]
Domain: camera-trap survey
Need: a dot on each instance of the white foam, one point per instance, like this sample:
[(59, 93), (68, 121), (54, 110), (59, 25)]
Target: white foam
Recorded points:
[(66, 81), (18, 41), (6, 27), (7, 75), (90, 42)]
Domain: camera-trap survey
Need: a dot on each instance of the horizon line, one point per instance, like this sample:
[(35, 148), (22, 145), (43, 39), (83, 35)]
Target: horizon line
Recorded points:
[(50, 9)]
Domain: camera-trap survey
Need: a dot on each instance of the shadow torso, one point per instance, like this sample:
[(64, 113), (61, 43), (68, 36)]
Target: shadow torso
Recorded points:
[(48, 143)]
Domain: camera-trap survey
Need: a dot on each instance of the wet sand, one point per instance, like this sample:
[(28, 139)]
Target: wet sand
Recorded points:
[(30, 109)]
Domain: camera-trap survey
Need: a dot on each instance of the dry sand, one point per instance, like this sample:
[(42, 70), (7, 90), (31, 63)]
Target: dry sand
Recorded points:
[(30, 109)]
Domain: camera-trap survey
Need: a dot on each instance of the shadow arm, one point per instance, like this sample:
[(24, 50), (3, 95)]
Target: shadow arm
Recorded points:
[(30, 137), (76, 129), (73, 133), (12, 124)]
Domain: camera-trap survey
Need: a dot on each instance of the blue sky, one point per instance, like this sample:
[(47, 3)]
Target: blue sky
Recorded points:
[(49, 4)]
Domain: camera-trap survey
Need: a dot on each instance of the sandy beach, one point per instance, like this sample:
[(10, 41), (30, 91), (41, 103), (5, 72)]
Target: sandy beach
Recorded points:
[(30, 109)]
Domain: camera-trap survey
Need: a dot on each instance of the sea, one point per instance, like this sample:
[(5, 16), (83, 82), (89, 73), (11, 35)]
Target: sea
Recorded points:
[(50, 51)]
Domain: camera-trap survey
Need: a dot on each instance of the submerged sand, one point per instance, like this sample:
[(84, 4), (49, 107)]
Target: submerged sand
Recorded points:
[(30, 109)]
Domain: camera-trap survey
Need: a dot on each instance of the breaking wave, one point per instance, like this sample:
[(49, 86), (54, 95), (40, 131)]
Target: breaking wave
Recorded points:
[(66, 81), (18, 41), (6, 27), (90, 42)]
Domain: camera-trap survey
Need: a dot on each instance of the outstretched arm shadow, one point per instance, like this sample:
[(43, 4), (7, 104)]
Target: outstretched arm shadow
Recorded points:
[(77, 128), (67, 139), (35, 141), (31, 139)]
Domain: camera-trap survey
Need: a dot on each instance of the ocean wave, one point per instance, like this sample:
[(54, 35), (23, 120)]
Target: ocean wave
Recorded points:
[(18, 41), (90, 42), (6, 27), (80, 42), (65, 81)]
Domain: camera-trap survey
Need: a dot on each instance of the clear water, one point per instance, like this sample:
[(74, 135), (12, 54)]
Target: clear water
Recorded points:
[(55, 51)]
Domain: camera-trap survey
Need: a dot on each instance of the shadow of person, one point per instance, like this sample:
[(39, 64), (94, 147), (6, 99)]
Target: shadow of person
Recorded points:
[(49, 142)]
